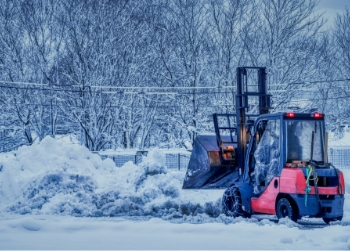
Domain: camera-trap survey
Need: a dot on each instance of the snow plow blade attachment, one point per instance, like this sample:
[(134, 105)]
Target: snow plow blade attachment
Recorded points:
[(205, 170)]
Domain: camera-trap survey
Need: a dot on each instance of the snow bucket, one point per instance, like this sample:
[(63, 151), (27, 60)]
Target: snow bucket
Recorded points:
[(205, 169)]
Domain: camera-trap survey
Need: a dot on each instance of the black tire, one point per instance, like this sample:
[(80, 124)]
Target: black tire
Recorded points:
[(232, 203), (285, 209), (329, 220)]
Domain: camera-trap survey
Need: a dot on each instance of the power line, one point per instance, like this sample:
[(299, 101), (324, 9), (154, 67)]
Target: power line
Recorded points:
[(201, 89), (25, 83), (155, 87), (106, 92), (312, 82), (171, 105), (142, 92)]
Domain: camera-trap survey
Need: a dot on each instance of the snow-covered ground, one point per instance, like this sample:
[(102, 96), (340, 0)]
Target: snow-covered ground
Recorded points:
[(67, 232), (58, 195)]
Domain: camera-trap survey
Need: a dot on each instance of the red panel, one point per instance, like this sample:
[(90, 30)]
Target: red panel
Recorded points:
[(342, 183), (291, 181), (267, 200), (325, 190), (294, 181)]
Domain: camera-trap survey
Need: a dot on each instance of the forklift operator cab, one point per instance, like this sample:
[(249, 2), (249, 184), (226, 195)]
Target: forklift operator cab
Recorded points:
[(266, 159), (288, 169)]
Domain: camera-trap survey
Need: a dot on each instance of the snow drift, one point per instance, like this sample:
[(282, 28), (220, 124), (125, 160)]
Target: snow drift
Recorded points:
[(61, 178)]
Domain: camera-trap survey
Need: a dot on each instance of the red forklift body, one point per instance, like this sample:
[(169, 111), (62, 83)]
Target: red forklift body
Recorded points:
[(288, 161), (269, 163), (292, 184)]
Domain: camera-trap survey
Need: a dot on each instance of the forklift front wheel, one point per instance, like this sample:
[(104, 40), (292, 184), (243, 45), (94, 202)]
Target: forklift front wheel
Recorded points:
[(285, 209), (232, 202)]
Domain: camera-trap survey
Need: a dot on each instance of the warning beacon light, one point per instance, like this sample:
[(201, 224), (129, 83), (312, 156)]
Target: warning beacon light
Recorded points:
[(290, 114), (318, 115)]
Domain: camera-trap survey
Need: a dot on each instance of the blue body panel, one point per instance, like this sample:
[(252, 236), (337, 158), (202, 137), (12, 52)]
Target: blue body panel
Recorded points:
[(326, 208), (246, 191)]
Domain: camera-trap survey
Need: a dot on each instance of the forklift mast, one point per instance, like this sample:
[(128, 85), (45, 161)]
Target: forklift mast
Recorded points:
[(242, 105), (214, 159)]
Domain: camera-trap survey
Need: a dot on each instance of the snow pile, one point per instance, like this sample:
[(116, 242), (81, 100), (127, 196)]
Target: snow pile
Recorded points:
[(56, 177), (59, 177)]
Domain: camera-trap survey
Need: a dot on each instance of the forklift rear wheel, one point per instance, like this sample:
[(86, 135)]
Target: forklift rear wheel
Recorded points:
[(232, 203), (285, 209), (329, 220)]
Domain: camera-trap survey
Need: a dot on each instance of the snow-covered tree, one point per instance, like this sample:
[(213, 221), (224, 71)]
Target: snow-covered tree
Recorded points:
[(285, 41)]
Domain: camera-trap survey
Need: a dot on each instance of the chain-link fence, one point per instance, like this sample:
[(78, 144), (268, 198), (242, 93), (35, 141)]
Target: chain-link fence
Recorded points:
[(176, 160), (339, 157)]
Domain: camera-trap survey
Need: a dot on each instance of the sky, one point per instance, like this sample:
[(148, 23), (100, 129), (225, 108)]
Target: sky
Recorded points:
[(332, 7)]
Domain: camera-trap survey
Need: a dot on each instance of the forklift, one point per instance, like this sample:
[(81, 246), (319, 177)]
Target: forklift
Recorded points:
[(268, 163)]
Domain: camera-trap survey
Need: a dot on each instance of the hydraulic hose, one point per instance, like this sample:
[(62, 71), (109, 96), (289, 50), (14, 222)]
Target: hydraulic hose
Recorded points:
[(310, 171)]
